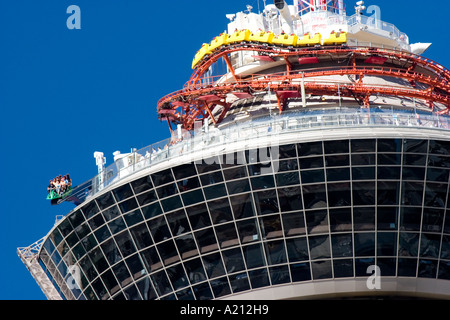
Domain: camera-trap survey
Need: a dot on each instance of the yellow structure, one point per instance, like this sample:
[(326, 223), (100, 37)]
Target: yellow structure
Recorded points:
[(307, 40), (336, 38), (285, 40)]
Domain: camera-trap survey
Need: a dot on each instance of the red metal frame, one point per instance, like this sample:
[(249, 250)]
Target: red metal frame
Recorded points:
[(198, 101)]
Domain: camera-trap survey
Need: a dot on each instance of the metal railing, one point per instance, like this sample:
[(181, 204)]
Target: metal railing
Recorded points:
[(254, 128)]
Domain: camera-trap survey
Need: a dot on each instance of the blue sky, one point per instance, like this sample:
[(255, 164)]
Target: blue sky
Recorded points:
[(65, 94)]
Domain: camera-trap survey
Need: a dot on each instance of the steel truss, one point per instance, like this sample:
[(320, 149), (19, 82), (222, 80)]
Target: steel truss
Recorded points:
[(198, 101)]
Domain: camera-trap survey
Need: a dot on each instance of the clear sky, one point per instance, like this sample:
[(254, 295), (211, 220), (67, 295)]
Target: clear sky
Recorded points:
[(65, 94)]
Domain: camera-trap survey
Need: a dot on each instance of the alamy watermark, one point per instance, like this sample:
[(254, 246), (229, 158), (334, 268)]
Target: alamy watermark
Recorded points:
[(74, 20), (374, 281)]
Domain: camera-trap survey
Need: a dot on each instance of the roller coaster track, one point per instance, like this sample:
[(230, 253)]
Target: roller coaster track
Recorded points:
[(198, 100)]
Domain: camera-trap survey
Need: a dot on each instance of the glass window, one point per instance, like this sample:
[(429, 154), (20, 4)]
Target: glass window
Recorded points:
[(389, 159), (275, 252), (337, 161), (81, 231), (100, 289), (309, 149), (123, 192), (161, 283), (279, 275), (435, 195), (248, 230), (410, 218), (111, 213), (294, 223), (177, 276), (336, 146), (271, 226), (226, 235), (339, 194), (388, 193), (415, 146), (151, 259), (168, 252), (213, 265), (142, 184), (260, 168), (297, 249), (76, 219), (412, 193), (259, 278), (266, 202), (262, 182), (125, 244), (238, 186), (311, 162), (208, 165), (159, 229), (185, 294), (414, 159), (167, 190), (178, 222), (429, 245), (287, 151), (427, 268), (206, 240), (444, 270), (195, 271), (188, 184), (361, 265), (437, 175), (220, 287), (319, 247), (106, 200), (363, 173), (185, 170), (388, 173), (321, 269), (338, 174), (233, 260), (135, 266), (340, 219), (313, 176), (162, 177), (343, 268), (211, 178), (388, 265), (216, 191), (128, 205), (389, 145), (342, 245), (102, 234), (172, 203), (198, 216), (133, 217), (141, 236), (287, 165), (290, 199), (438, 161), (407, 267), (254, 256), (186, 246), (239, 282), (147, 198), (98, 260), (386, 243), (363, 193), (363, 145), (192, 197), (288, 178), (439, 147), (363, 159), (413, 173), (317, 221), (445, 249), (242, 206), (300, 272), (432, 220), (364, 244), (110, 282), (387, 218), (235, 173), (233, 159), (364, 218), (90, 210), (152, 210), (314, 196)]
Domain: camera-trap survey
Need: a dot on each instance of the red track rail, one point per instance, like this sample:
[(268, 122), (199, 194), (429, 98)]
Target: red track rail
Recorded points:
[(197, 101)]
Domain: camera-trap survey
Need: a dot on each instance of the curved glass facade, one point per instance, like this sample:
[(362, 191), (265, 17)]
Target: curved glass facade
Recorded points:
[(318, 210)]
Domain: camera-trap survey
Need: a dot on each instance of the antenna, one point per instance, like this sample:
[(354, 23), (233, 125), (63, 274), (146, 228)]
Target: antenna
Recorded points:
[(249, 8)]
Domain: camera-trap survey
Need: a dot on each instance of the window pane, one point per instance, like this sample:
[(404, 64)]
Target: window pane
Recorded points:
[(342, 245), (248, 230), (314, 196), (319, 247), (242, 206), (317, 221), (123, 192), (311, 163), (294, 223), (297, 249), (233, 260), (226, 235), (275, 252), (313, 176), (271, 226), (321, 269), (340, 219), (363, 145), (364, 244), (364, 218), (254, 256), (339, 194), (186, 246), (290, 199), (308, 149), (386, 244), (266, 202)]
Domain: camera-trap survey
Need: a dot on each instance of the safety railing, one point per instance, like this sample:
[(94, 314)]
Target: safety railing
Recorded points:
[(289, 122)]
